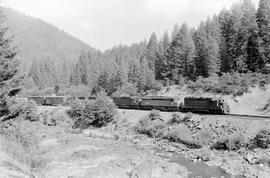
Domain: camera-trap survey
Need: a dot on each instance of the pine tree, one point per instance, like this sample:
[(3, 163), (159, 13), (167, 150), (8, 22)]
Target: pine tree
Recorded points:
[(201, 43), (161, 59), (34, 73), (249, 37), (175, 31), (225, 29), (134, 72), (181, 55), (263, 21), (213, 47), (151, 50), (234, 45), (146, 77), (9, 67)]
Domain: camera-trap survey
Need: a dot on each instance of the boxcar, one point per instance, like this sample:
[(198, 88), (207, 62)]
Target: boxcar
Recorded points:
[(40, 100), (54, 100), (159, 103), (204, 105)]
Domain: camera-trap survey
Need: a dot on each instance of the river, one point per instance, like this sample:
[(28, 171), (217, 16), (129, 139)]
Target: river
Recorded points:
[(197, 169)]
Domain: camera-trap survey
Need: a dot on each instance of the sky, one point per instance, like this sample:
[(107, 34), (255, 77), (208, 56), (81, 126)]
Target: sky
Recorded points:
[(105, 23)]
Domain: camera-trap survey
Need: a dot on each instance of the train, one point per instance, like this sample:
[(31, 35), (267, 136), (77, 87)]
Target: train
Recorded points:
[(190, 104)]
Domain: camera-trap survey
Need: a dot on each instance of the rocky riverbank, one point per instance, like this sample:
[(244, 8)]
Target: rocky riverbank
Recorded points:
[(238, 146)]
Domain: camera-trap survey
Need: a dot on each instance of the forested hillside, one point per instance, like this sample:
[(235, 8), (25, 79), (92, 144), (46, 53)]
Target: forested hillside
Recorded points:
[(235, 41), (39, 41)]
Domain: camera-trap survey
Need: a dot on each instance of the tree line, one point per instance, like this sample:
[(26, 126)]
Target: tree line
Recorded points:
[(235, 40)]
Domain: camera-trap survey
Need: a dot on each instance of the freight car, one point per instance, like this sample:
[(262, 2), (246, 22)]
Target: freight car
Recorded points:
[(48, 100), (40, 100), (54, 100)]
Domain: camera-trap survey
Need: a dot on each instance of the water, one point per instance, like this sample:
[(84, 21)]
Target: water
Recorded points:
[(196, 169)]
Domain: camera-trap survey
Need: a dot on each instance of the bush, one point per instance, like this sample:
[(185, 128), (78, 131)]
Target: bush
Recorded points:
[(177, 118), (77, 109), (261, 139), (204, 137), (181, 134), (152, 128), (21, 142), (231, 142), (126, 90), (75, 91), (229, 83), (20, 109), (154, 115), (56, 117), (151, 125), (96, 113)]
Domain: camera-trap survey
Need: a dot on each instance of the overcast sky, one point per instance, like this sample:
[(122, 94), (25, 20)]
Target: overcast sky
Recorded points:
[(105, 23)]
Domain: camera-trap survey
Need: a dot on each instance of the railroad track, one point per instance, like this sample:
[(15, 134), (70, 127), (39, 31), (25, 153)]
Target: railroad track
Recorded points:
[(238, 116), (250, 116)]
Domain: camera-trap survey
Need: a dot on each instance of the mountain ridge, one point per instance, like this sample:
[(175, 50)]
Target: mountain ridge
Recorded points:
[(37, 39)]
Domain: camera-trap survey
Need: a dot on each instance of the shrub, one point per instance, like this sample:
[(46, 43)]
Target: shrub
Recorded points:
[(229, 83), (187, 117), (261, 139), (35, 92), (49, 91), (151, 125), (21, 142), (77, 109), (56, 117), (126, 90), (25, 110), (75, 91), (154, 115), (231, 142), (96, 113), (152, 128), (177, 118), (204, 137), (181, 134)]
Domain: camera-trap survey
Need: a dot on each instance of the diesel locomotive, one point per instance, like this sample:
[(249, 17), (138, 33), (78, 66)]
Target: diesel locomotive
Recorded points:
[(190, 104)]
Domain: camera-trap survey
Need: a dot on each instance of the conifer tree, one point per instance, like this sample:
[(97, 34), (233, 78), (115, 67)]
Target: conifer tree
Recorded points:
[(201, 43), (151, 50), (9, 66), (181, 55), (263, 21), (249, 37), (175, 31), (34, 73), (161, 59)]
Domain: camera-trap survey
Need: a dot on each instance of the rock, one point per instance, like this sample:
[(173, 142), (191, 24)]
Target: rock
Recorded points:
[(205, 158), (96, 133), (250, 158), (49, 142)]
